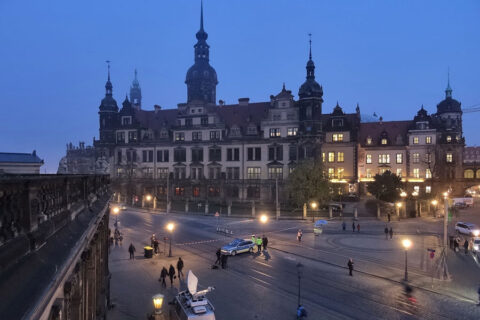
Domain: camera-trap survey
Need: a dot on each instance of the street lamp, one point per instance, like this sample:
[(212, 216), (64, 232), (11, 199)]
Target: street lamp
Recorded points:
[(263, 220), (314, 206), (149, 197), (299, 273), (434, 203), (403, 194), (116, 210), (415, 195), (170, 228), (157, 303), (399, 206), (406, 244)]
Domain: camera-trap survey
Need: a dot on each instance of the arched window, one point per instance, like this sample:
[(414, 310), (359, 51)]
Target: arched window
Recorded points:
[(468, 174), (478, 174)]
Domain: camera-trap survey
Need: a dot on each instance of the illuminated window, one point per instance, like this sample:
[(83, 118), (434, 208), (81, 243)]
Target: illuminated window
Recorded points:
[(369, 141), (428, 173), (340, 172), (449, 138), (468, 174), (292, 132), (323, 156), (369, 173), (253, 173), (331, 173), (416, 173), (428, 140), (369, 158), (275, 133), (449, 157), (338, 137), (196, 191), (331, 156), (383, 158), (428, 189), (340, 156), (384, 141), (399, 158), (399, 172), (416, 189), (416, 157), (415, 140)]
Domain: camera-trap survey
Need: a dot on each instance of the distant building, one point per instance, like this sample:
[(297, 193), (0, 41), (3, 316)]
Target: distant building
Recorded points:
[(20, 163), (81, 160)]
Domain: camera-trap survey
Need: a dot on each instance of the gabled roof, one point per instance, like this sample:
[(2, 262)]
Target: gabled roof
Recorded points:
[(374, 130), (7, 157)]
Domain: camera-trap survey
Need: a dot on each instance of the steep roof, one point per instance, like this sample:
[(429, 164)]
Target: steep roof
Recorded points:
[(156, 119), (375, 130), (241, 115), (8, 157)]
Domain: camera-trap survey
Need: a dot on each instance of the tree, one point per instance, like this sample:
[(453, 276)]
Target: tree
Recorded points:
[(308, 182), (386, 186)]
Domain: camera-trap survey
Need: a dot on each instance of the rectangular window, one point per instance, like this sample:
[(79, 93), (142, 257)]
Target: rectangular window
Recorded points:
[(369, 158), (132, 136), (369, 173), (162, 156), (196, 191), (197, 155), (213, 191), (131, 156), (214, 154), (147, 156), (337, 137), (254, 154), (416, 173), (449, 158), (383, 158), (121, 137), (292, 153), (428, 174), (399, 172), (179, 191), (331, 173), (275, 173), (204, 121), (323, 156), (179, 155), (197, 135), (340, 172), (233, 173), (215, 135), (253, 173), (180, 173), (120, 172), (415, 140), (126, 121), (369, 141), (162, 173), (275, 133), (428, 157), (331, 156), (233, 154), (119, 157), (428, 189), (179, 136), (399, 158), (340, 156), (214, 173), (428, 139), (416, 158), (275, 153), (384, 141), (147, 173), (291, 132)]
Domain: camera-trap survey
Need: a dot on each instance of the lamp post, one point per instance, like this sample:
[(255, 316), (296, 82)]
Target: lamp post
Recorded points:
[(406, 244), (314, 206), (434, 203), (399, 206), (157, 305), (299, 274), (148, 198), (415, 195), (115, 211), (403, 194), (170, 228), (263, 220), (445, 219)]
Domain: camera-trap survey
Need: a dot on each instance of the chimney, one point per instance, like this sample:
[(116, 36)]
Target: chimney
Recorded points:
[(157, 108), (243, 101)]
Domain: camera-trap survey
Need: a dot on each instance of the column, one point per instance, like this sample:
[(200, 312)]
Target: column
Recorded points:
[(206, 207), (355, 213), (330, 212), (304, 211), (229, 209)]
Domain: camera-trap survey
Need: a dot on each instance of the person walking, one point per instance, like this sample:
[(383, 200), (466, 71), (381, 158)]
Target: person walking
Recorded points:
[(391, 233), (180, 268), (301, 312), (224, 261), (163, 275), (155, 245), (386, 232), (254, 239), (219, 256), (344, 226), (299, 235), (259, 244), (350, 267), (388, 216), (264, 242), (131, 250), (358, 227), (171, 274), (152, 240), (465, 246), (353, 226)]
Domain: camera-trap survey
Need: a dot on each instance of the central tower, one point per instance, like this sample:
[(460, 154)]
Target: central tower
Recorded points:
[(201, 78)]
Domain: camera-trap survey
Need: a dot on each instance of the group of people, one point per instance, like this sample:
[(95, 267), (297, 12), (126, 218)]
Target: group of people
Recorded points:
[(388, 232), (456, 242), (354, 226), (221, 259), (263, 241), (171, 273)]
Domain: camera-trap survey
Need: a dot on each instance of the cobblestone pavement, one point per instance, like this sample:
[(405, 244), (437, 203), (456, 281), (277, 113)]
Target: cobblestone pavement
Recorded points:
[(265, 286)]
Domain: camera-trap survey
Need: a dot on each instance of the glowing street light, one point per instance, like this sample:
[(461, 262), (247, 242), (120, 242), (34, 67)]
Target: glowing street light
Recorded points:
[(157, 303), (403, 194), (399, 206), (115, 211), (314, 206), (148, 197), (263, 218), (170, 228), (406, 244)]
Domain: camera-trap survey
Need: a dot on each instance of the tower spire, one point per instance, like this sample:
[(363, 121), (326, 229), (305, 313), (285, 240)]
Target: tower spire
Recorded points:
[(201, 15), (448, 91), (108, 67), (108, 85), (310, 41)]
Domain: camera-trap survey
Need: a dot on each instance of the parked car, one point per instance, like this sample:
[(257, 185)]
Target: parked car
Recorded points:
[(476, 245), (466, 228), (238, 246), (460, 205)]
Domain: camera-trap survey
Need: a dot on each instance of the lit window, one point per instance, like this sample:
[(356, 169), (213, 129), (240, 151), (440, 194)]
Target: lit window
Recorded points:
[(331, 156), (428, 174), (369, 158), (253, 173), (179, 136), (449, 138), (340, 172), (384, 141), (331, 173), (415, 140), (399, 158), (416, 189), (369, 173), (399, 172), (449, 157), (416, 173), (428, 189), (275, 132), (323, 156), (338, 137), (428, 139), (292, 132), (468, 174), (340, 156), (383, 158), (416, 157), (369, 141)]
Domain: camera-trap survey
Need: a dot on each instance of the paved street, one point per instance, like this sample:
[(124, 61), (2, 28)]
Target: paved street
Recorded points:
[(265, 286)]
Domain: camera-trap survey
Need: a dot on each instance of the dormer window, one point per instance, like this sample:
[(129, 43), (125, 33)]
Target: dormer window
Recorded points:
[(235, 132), (252, 130), (126, 121), (337, 123), (337, 137), (192, 111), (415, 140), (369, 140), (384, 141), (449, 138)]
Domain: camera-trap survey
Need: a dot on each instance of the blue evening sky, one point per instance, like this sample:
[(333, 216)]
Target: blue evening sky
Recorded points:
[(389, 56)]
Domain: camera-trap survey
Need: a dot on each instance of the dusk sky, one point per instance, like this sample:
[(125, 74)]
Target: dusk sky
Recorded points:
[(389, 56)]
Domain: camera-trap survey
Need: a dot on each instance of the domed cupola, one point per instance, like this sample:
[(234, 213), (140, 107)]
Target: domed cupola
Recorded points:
[(449, 105), (201, 78), (310, 88), (108, 103)]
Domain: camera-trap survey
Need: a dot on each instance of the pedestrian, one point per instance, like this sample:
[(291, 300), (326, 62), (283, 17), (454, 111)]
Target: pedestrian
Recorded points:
[(358, 227), (388, 216), (259, 244), (163, 275), (350, 266), (152, 239), (465, 246), (386, 232), (353, 226), (155, 245), (391, 233), (254, 239), (299, 235), (224, 261), (301, 312), (344, 226), (264, 242), (180, 267), (132, 250), (171, 274), (219, 256)]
